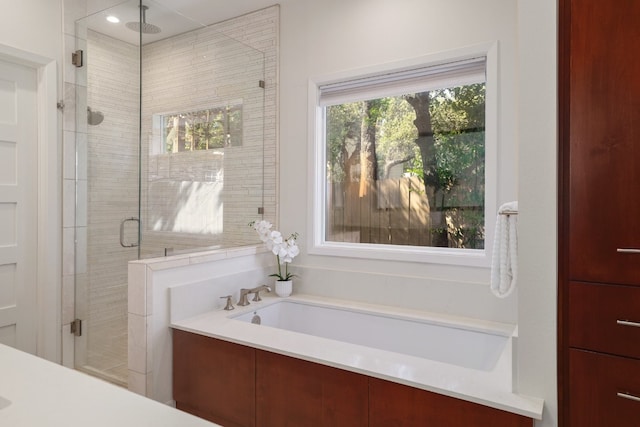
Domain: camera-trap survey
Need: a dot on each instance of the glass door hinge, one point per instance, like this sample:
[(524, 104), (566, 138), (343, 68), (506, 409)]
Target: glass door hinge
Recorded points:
[(76, 58), (76, 327)]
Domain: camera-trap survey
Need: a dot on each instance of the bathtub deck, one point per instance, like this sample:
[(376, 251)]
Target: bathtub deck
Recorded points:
[(485, 388)]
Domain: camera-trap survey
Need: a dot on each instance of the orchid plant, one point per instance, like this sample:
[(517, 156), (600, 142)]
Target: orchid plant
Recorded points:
[(285, 250)]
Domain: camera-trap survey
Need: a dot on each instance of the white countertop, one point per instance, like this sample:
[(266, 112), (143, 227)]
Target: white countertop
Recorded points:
[(35, 392), (463, 383)]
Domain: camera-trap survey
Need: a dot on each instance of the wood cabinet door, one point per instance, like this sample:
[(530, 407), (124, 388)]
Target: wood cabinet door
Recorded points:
[(214, 379), (604, 141), (604, 390), (605, 318), (397, 405), (296, 393)]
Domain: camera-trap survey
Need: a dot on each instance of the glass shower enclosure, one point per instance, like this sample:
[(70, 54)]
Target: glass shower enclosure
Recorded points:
[(169, 155)]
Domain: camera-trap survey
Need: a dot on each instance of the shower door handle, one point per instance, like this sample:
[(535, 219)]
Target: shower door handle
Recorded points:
[(124, 221)]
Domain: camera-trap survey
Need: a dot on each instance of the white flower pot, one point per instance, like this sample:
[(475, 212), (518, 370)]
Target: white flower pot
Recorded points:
[(284, 287)]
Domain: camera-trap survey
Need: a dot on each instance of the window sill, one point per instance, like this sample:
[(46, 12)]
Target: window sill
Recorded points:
[(461, 257)]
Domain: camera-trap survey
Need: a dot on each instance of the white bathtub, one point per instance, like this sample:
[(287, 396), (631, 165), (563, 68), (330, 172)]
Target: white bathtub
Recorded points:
[(414, 336), (463, 358)]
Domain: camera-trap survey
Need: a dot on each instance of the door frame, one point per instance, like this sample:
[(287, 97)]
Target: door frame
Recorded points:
[(49, 201)]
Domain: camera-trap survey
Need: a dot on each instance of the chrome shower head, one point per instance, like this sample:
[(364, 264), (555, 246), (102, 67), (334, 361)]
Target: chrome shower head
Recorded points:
[(94, 117), (144, 27)]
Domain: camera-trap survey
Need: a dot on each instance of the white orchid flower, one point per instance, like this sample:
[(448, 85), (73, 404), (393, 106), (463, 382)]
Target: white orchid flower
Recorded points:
[(284, 249), (274, 242), (292, 250), (263, 228)]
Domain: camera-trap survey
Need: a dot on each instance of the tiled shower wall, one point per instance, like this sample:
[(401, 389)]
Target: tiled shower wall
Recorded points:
[(258, 30), (207, 69)]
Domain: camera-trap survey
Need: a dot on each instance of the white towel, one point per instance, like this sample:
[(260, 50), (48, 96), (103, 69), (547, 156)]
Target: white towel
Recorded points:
[(504, 265)]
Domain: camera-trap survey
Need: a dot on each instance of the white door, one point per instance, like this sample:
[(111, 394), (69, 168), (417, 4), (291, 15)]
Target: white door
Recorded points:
[(18, 205)]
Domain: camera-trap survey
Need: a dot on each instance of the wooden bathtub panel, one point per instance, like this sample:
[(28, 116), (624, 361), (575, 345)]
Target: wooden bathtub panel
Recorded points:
[(238, 386), (294, 392), (397, 405), (214, 379)]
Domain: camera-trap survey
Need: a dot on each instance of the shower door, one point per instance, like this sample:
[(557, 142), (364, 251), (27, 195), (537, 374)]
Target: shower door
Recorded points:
[(169, 147), (107, 147)]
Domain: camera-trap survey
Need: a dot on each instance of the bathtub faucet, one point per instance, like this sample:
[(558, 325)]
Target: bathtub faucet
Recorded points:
[(243, 297), (244, 292), (256, 292)]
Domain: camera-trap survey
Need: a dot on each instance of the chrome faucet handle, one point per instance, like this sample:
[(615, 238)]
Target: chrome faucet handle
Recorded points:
[(229, 305), (243, 297), (256, 292)]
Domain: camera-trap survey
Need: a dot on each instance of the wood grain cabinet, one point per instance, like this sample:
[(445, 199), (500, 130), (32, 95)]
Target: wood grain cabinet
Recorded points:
[(602, 106), (294, 392), (214, 379), (392, 404), (239, 386), (235, 385), (599, 215), (605, 318), (603, 389)]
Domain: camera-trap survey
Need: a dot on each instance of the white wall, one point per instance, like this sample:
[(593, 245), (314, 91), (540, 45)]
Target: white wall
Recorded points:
[(538, 204), (34, 27)]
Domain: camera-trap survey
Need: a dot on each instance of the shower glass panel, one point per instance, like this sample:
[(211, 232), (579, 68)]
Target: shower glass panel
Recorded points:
[(169, 157)]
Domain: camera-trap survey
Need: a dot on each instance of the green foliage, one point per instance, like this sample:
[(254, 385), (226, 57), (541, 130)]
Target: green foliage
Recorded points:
[(377, 110), (396, 135), (343, 133), (457, 118), (204, 129)]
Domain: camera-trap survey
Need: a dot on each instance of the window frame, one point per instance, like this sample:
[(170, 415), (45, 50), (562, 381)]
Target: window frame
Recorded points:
[(317, 244)]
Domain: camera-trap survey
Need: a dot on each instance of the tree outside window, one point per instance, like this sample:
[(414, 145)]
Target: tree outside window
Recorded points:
[(408, 169), (203, 129)]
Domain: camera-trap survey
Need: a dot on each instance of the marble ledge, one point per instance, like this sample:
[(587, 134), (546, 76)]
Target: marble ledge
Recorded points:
[(183, 260)]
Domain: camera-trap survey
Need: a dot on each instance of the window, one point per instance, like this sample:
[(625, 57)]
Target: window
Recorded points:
[(401, 158), (186, 167), (203, 129)]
